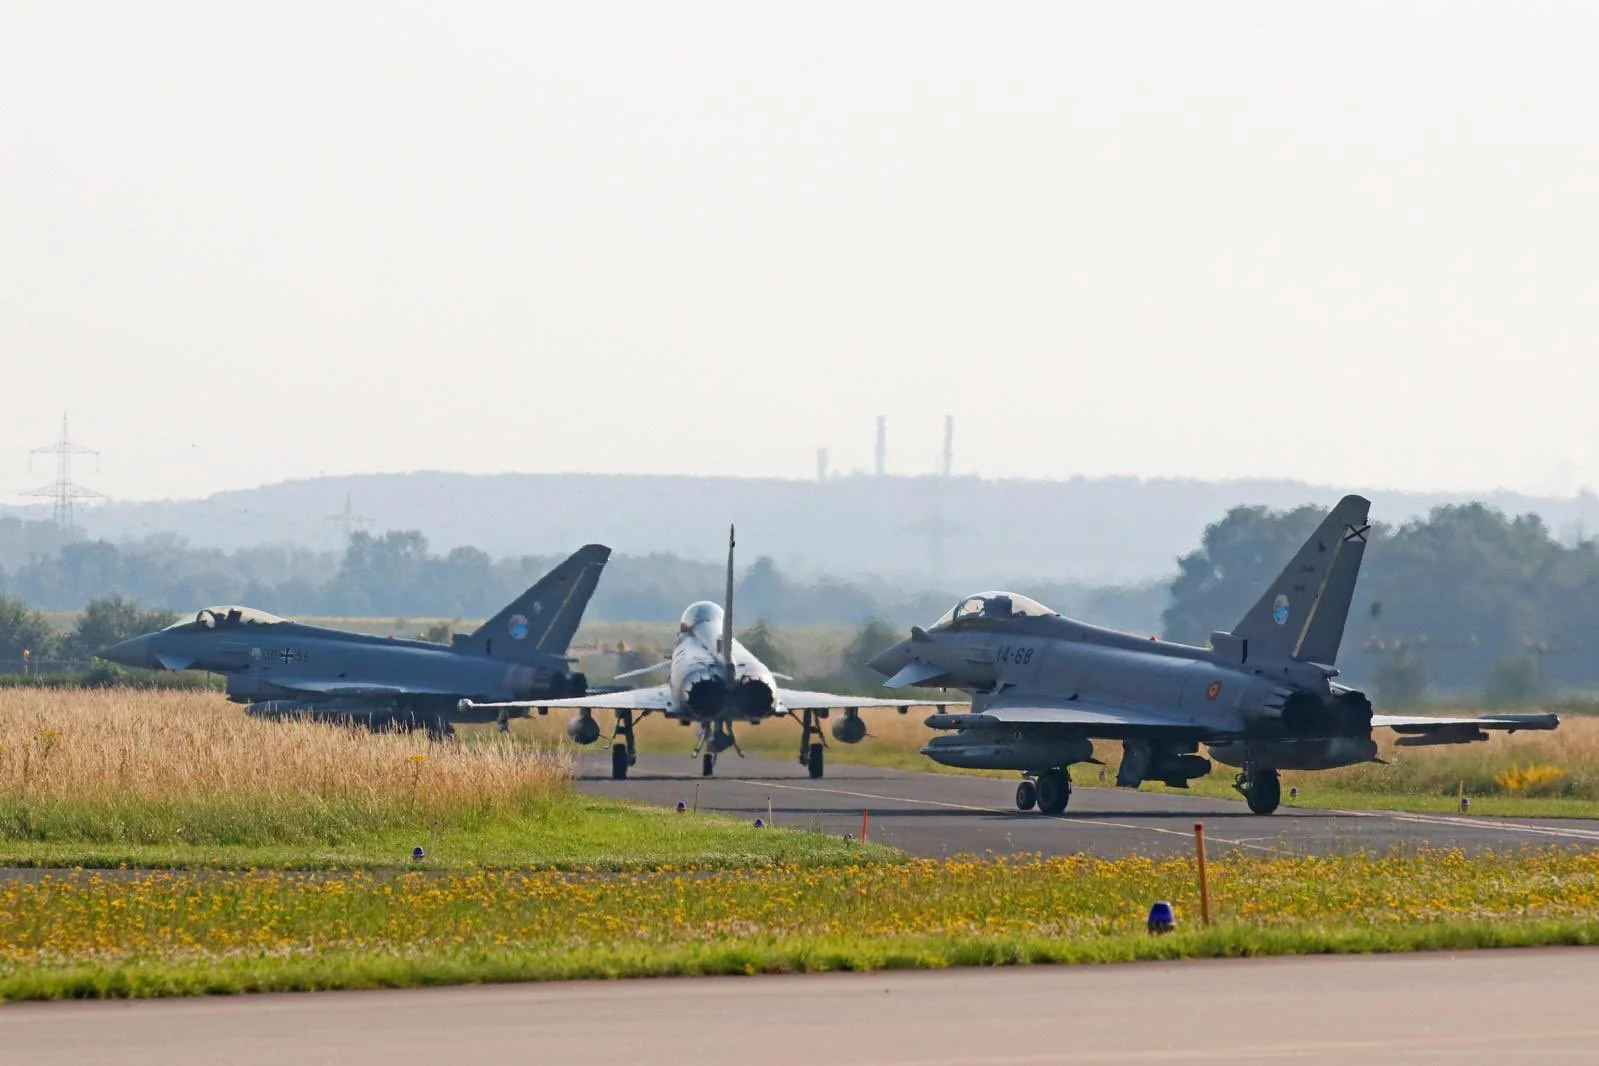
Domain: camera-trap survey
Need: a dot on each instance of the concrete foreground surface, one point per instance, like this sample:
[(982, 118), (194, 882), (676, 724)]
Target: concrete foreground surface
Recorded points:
[(938, 815), (1476, 1007)]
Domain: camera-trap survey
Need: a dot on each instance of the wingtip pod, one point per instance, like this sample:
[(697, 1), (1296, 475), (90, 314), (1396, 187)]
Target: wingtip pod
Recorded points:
[(1512, 722)]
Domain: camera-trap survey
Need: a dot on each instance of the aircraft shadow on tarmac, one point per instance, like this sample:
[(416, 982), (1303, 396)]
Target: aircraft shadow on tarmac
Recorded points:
[(755, 810), (691, 777)]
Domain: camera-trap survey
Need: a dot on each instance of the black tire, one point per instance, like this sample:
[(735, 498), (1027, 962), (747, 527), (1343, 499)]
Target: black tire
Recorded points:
[(814, 761), (708, 764), (1054, 791), (619, 761), (1264, 791), (1026, 796)]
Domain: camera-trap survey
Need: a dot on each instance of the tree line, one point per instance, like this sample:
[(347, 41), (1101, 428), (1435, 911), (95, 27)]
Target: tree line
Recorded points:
[(1467, 599), (396, 574)]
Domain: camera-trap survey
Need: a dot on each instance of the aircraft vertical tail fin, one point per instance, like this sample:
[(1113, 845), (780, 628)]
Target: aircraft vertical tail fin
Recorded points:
[(727, 610), (1302, 613), (543, 619)]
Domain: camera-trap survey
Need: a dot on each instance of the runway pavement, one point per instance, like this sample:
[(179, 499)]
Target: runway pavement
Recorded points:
[(948, 814), (1487, 1007)]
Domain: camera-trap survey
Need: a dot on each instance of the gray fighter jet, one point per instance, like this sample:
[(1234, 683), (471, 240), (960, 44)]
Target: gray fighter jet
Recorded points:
[(281, 668), (713, 682), (1261, 698)]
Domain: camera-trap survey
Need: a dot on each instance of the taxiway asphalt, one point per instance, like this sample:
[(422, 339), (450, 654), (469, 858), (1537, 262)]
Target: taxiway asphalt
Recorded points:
[(940, 815), (1487, 1007)]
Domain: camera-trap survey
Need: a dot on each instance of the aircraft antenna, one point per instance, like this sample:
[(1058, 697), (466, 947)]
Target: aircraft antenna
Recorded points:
[(63, 492), (347, 520)]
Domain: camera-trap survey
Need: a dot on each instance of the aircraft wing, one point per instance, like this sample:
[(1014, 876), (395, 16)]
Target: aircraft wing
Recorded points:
[(1419, 730), (1042, 710), (654, 698), (797, 700)]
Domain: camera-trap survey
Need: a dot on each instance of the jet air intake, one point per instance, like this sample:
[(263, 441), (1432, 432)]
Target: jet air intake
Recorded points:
[(752, 698), (707, 698)]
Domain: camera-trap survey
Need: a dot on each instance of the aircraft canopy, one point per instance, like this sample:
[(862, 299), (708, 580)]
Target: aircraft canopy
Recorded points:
[(993, 607), (227, 618), (698, 614)]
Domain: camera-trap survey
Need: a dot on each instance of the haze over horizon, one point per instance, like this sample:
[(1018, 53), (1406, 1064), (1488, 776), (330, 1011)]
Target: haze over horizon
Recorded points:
[(1241, 240)]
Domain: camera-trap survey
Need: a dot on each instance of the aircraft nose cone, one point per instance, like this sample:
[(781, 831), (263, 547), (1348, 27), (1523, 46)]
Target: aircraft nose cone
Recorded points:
[(135, 651), (891, 661)]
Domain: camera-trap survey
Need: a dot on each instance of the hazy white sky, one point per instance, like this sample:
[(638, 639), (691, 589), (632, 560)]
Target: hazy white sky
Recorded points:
[(1351, 243)]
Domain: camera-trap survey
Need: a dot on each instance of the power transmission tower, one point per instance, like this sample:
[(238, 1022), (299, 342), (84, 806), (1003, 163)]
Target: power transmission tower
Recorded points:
[(347, 520), (63, 492)]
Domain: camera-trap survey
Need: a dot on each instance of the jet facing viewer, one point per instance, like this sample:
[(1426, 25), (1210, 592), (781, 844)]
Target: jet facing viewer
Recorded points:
[(713, 681)]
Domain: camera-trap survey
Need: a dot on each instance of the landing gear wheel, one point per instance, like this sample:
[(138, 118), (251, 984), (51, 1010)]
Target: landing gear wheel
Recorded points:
[(1054, 791), (1263, 790), (707, 764), (619, 762), (1026, 796), (814, 761)]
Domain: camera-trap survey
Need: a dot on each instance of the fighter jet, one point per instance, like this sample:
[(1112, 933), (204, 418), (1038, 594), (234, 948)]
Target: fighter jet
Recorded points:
[(713, 682), (1261, 698), (281, 668)]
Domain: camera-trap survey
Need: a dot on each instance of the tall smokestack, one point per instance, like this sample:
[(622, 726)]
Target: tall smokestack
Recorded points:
[(821, 464), (882, 445), (949, 445)]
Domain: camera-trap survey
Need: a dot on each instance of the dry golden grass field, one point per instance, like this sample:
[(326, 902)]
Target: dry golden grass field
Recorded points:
[(101, 777)]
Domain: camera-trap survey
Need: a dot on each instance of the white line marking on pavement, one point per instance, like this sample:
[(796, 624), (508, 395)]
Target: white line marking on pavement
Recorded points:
[(1478, 823)]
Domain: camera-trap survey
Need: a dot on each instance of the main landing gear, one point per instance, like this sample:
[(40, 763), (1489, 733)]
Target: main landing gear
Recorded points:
[(1050, 791), (1262, 789), (623, 752), (811, 749)]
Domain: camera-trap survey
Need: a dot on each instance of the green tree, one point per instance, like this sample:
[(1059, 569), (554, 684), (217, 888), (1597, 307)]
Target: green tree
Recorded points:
[(24, 629), (1401, 679), (873, 636), (1513, 682), (110, 619), (762, 643), (1237, 558)]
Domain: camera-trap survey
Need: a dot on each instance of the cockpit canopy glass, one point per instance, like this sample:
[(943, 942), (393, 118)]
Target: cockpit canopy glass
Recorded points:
[(700, 613), (993, 607), (227, 618)]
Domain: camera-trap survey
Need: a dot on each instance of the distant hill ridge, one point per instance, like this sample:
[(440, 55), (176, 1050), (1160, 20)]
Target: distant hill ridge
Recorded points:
[(940, 530)]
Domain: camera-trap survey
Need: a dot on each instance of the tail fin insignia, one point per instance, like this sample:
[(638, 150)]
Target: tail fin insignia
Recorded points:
[(543, 619), (1302, 614)]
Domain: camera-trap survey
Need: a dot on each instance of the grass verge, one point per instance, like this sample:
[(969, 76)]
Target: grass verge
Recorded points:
[(566, 832), (169, 934)]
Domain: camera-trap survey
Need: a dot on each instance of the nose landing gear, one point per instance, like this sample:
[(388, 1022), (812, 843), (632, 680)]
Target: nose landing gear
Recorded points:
[(1050, 792)]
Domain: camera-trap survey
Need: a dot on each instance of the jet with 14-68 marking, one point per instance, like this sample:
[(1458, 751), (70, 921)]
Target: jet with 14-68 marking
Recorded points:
[(713, 682), (1261, 698), (282, 668)]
